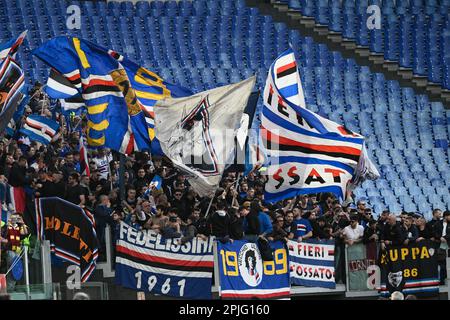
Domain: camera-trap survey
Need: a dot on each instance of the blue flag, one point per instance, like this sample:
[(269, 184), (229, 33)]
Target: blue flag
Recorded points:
[(118, 93), (112, 108)]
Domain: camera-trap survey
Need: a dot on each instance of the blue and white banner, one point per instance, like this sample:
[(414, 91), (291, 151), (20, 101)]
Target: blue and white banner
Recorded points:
[(244, 275), (312, 263), (39, 128), (147, 262), (307, 153)]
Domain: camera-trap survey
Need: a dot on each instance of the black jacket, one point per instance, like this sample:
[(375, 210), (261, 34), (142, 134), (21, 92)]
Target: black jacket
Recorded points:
[(368, 232), (426, 233), (411, 234), (219, 226), (393, 233), (17, 176), (437, 231), (236, 227)]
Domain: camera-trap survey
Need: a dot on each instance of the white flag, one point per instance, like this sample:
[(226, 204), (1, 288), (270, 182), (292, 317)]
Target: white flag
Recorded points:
[(197, 133)]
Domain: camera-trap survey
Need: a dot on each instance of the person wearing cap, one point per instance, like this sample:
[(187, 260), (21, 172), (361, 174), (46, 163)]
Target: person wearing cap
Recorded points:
[(354, 232), (371, 232), (409, 230)]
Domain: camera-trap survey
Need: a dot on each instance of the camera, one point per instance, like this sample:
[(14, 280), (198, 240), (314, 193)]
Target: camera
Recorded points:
[(173, 219)]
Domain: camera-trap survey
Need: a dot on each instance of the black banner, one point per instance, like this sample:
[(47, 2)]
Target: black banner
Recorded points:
[(411, 269), (71, 232)]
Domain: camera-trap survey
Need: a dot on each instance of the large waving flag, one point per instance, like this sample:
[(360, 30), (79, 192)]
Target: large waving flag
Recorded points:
[(115, 116), (142, 88), (40, 128), (149, 88), (198, 133), (11, 83), (10, 47), (307, 153)]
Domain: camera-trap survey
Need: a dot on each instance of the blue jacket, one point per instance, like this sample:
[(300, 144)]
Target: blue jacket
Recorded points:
[(265, 226)]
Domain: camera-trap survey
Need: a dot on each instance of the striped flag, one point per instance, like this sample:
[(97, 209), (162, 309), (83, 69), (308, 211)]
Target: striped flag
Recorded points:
[(307, 153), (40, 129), (59, 87), (10, 47), (162, 266), (84, 163), (11, 83)]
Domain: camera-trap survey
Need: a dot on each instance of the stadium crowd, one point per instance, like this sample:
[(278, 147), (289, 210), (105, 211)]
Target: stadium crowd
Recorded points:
[(238, 210)]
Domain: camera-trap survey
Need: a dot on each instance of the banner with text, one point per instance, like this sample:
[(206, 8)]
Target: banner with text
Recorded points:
[(145, 261), (412, 269), (311, 263), (244, 275), (359, 258), (71, 232)]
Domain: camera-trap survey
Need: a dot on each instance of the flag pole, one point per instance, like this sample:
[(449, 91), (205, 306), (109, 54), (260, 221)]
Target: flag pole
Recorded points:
[(209, 206), (121, 177)]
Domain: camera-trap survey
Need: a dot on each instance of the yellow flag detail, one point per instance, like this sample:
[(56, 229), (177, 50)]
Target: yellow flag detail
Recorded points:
[(81, 54), (98, 126), (98, 108), (151, 133)]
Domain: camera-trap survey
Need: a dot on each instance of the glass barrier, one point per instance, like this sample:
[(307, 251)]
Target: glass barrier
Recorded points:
[(86, 291), (32, 292)]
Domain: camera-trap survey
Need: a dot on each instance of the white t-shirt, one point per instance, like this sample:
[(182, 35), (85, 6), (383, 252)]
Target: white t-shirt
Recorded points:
[(103, 166), (354, 234)]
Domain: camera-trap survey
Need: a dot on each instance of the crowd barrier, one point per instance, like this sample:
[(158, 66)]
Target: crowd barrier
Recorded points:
[(361, 276)]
